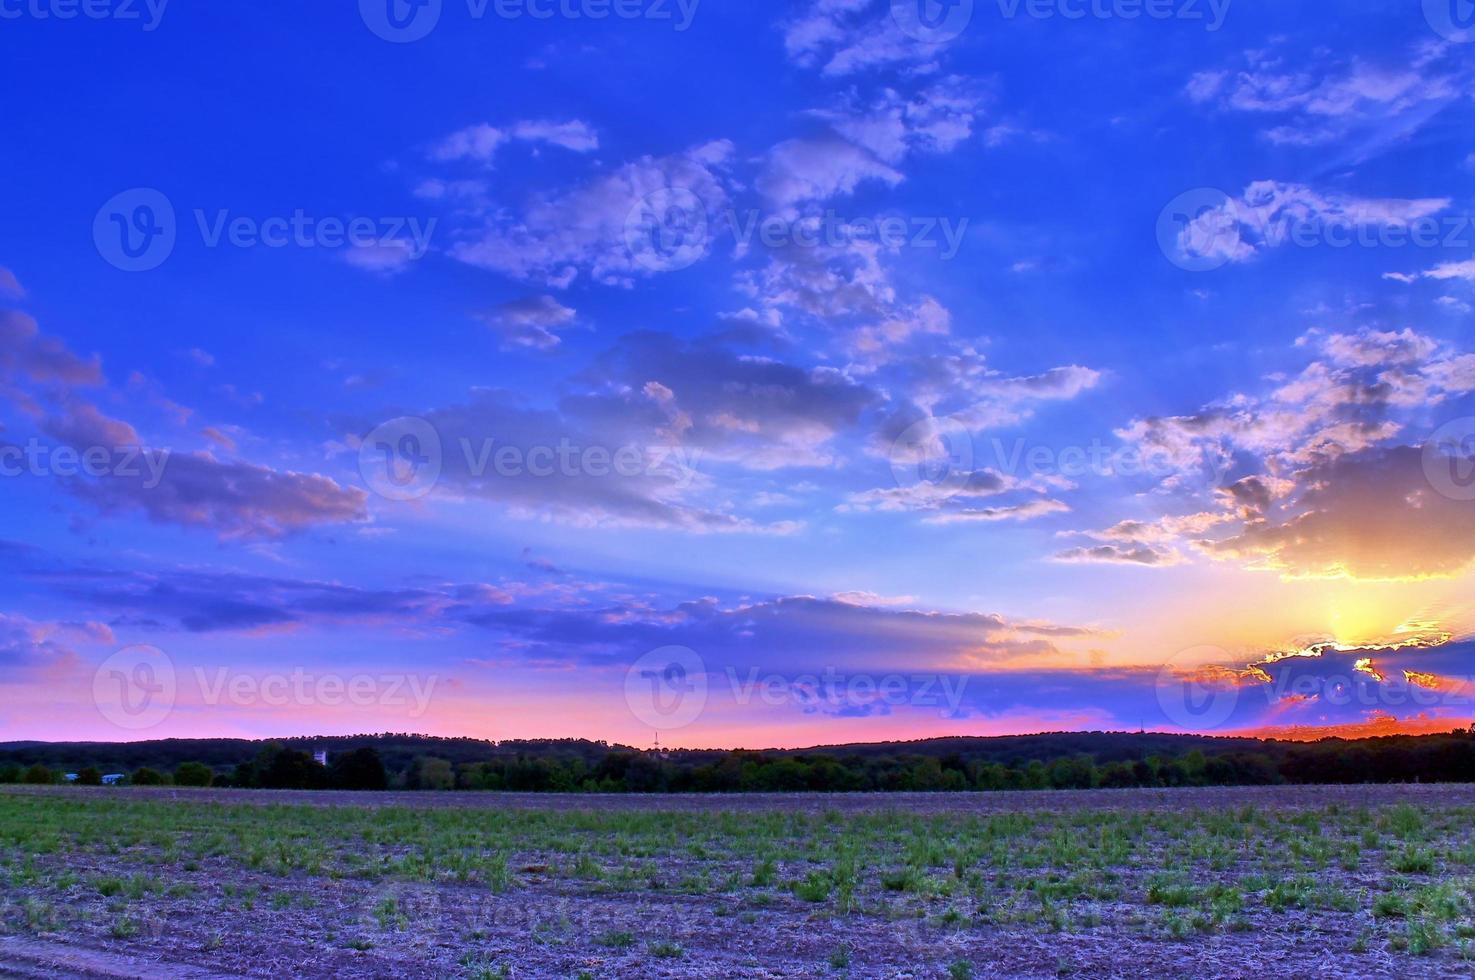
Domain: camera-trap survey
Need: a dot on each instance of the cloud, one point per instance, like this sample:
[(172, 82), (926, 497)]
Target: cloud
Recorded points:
[(27, 644), (958, 382), (82, 426), (203, 601), (530, 322), (566, 622), (603, 460), (757, 412), (862, 598), (587, 230), (386, 258), (10, 285), (828, 281), (893, 125), (870, 139), (1271, 214), (1372, 515), (574, 135), (955, 499), (236, 499), (1111, 554), (1027, 511), (1452, 270), (1366, 106), (1135, 542), (481, 141), (28, 355), (1345, 402), (932, 495), (795, 634), (1328, 492), (1376, 348), (802, 170), (1326, 688), (843, 37)]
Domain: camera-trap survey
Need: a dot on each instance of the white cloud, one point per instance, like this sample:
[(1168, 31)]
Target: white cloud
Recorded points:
[(386, 258), (1271, 214), (481, 141), (1368, 106), (842, 37), (818, 169), (559, 236)]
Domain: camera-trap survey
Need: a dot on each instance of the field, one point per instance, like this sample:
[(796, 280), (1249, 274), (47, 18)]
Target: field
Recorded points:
[(1306, 881)]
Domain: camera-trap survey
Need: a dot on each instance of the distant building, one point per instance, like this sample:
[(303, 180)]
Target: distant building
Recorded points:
[(320, 757), (110, 779)]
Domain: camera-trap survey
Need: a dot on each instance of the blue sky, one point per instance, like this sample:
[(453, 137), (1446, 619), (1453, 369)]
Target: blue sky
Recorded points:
[(785, 254)]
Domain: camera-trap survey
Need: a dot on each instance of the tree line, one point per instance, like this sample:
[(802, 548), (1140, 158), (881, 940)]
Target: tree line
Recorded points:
[(934, 766)]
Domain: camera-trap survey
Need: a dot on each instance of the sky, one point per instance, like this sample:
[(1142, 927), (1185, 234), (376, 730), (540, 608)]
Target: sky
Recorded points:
[(736, 374)]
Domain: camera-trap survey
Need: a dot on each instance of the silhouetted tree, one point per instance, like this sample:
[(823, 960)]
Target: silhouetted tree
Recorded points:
[(361, 769), (39, 775), (193, 774)]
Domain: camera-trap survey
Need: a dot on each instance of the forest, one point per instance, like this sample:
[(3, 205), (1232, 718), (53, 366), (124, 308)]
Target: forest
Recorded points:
[(1049, 761)]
